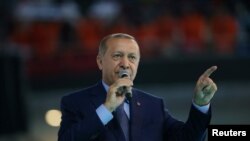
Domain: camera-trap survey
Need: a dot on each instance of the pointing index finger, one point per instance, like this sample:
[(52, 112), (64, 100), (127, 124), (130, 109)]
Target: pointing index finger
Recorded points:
[(209, 71)]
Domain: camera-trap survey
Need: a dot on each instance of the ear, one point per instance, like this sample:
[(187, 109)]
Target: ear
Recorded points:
[(99, 61)]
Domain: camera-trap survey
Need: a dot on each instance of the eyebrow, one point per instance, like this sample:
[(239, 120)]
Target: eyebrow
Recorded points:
[(121, 52)]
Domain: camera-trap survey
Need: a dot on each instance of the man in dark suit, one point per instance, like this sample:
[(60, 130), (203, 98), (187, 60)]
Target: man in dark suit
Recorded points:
[(91, 114)]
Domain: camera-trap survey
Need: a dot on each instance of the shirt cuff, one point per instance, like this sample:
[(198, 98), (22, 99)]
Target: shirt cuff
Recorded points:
[(203, 109), (104, 114)]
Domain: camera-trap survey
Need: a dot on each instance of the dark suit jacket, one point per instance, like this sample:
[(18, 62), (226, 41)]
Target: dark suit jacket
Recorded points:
[(149, 121)]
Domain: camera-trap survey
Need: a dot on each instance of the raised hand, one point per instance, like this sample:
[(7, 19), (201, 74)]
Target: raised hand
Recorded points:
[(205, 88), (114, 99)]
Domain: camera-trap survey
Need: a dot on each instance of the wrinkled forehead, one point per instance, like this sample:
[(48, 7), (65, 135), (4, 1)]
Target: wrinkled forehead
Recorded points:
[(103, 43), (123, 44)]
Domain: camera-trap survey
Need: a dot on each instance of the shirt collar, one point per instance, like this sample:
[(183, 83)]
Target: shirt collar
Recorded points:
[(106, 87)]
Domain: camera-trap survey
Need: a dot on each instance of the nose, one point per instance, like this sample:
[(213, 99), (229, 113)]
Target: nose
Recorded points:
[(124, 63)]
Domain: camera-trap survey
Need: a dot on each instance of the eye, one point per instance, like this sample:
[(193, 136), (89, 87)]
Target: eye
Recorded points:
[(117, 56), (132, 58)]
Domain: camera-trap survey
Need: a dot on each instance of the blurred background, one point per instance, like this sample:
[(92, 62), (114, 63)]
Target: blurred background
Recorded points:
[(48, 49)]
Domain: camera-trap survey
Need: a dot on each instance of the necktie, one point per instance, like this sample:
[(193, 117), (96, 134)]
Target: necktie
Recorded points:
[(123, 120)]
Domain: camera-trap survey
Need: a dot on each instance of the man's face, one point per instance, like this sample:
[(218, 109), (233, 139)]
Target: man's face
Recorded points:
[(121, 54)]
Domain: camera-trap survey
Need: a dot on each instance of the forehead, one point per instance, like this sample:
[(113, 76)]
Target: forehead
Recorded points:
[(122, 44)]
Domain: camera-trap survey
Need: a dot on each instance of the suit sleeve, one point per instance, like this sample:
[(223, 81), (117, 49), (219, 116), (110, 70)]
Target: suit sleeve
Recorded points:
[(76, 126), (193, 129)]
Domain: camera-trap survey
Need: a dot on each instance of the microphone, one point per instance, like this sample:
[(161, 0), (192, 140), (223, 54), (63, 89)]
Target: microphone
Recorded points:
[(124, 90)]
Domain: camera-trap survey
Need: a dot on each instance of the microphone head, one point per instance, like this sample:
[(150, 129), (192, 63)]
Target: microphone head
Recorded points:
[(124, 89), (123, 73)]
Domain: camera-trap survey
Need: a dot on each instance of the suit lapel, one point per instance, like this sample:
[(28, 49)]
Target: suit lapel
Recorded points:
[(136, 116), (98, 95), (116, 129)]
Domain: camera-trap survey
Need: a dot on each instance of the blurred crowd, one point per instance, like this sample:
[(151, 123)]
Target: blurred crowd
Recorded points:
[(63, 35)]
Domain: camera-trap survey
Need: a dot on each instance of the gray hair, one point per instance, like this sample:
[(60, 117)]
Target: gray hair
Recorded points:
[(103, 46)]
